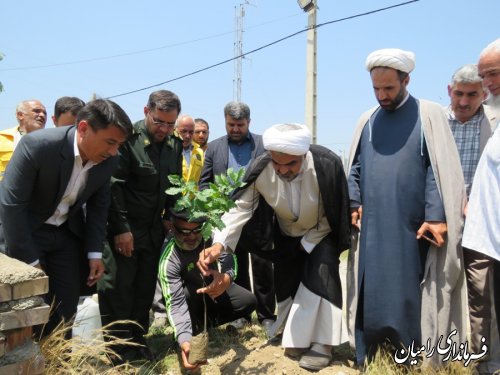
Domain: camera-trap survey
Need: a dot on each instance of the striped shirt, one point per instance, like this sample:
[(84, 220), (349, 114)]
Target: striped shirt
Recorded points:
[(467, 139)]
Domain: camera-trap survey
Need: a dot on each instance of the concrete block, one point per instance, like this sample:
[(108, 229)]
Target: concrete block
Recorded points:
[(28, 288), (17, 337), (24, 318), (31, 366), (5, 292)]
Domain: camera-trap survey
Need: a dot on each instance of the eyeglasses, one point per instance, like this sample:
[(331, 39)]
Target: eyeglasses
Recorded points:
[(161, 124), (187, 232)]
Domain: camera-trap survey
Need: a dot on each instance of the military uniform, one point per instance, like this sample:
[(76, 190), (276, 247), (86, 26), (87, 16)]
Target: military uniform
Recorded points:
[(138, 201)]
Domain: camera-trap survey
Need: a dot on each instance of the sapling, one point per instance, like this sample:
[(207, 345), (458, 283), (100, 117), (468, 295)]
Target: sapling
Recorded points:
[(209, 204)]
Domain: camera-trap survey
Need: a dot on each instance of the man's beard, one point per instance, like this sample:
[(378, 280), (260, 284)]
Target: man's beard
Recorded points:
[(494, 102), (396, 102)]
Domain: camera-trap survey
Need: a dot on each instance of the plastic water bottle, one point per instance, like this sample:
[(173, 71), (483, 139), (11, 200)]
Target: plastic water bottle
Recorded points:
[(87, 325)]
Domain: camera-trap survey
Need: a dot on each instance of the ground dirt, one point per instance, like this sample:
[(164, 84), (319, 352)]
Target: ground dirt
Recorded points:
[(258, 357), (247, 352)]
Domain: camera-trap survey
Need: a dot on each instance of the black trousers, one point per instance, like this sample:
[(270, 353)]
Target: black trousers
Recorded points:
[(263, 281), (236, 302), (60, 258), (127, 288), (496, 290)]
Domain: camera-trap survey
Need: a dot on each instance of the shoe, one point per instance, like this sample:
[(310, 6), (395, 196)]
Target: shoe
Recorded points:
[(314, 361), (295, 353), (238, 323), (145, 353), (267, 325)]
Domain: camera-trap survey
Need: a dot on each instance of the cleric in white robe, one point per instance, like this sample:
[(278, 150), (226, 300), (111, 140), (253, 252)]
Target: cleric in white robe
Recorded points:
[(405, 181), (296, 195)]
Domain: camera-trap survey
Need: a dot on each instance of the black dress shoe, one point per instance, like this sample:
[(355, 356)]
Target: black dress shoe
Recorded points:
[(145, 353)]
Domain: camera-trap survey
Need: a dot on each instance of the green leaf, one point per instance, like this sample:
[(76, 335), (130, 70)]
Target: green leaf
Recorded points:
[(210, 203)]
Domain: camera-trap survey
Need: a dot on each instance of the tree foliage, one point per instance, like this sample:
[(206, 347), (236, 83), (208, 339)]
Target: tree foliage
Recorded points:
[(210, 203)]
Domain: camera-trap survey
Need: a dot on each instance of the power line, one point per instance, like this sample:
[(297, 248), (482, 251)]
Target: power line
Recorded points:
[(263, 47), (139, 52)]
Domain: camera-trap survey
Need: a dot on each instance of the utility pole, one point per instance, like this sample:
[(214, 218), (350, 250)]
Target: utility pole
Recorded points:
[(309, 6), (311, 74), (238, 50)]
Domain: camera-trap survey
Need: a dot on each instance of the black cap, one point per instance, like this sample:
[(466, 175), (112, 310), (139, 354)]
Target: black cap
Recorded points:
[(184, 215)]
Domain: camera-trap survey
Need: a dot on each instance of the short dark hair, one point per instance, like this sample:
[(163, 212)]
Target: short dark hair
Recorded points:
[(164, 100), (237, 111), (202, 121), (103, 113), (68, 103)]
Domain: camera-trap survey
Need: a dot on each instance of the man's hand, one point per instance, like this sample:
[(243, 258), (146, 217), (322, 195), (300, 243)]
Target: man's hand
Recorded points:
[(185, 347), (208, 256), (96, 271), (437, 230), (124, 244), (221, 281), (356, 214)]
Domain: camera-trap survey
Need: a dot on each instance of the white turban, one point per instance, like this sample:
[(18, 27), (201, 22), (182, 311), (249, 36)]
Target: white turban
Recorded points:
[(391, 58), (292, 139)]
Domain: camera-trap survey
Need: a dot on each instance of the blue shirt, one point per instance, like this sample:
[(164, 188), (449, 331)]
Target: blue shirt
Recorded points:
[(240, 154)]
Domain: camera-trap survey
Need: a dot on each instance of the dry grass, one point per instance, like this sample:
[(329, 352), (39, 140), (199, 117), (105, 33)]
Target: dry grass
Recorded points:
[(75, 356), (384, 364)]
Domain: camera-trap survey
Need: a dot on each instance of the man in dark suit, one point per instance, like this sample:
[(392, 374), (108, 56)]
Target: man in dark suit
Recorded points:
[(51, 175), (237, 150)]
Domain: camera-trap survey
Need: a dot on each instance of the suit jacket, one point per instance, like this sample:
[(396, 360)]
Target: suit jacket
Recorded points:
[(217, 157), (33, 185)]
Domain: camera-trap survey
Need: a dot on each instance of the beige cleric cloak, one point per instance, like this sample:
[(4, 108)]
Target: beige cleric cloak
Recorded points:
[(444, 299)]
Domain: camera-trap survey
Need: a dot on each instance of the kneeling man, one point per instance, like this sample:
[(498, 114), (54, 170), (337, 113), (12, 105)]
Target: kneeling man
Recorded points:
[(187, 292)]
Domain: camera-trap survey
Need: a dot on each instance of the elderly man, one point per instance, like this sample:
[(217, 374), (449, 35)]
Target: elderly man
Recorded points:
[(184, 287), (304, 188), (482, 226), (31, 115), (192, 154), (472, 124), (406, 191), (135, 229), (41, 206), (201, 133)]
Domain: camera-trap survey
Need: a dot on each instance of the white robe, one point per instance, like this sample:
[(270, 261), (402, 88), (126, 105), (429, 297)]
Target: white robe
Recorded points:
[(309, 318), (482, 224)]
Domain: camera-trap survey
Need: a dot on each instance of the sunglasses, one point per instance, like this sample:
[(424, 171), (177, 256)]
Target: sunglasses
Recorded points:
[(187, 232)]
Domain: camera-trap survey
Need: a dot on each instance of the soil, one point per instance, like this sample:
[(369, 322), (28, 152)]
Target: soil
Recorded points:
[(244, 352), (256, 356)]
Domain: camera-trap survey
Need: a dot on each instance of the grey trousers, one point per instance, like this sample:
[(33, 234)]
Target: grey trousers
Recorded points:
[(478, 270)]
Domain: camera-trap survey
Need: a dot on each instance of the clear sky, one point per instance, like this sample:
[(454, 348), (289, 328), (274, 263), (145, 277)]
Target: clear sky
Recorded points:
[(56, 48)]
